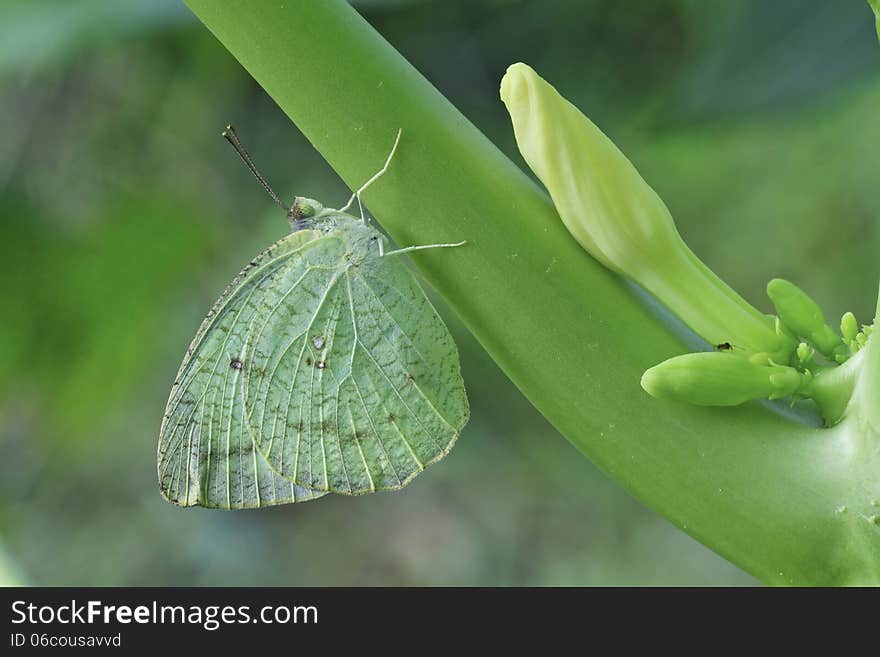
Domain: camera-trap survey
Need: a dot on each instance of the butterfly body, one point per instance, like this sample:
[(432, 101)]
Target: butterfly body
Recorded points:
[(322, 368)]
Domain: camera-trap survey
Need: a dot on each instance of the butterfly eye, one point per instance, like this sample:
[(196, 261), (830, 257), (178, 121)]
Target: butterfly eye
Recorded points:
[(301, 212), (302, 208)]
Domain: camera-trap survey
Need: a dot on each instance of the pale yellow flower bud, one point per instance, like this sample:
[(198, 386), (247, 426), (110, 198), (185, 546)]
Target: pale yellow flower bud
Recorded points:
[(616, 216)]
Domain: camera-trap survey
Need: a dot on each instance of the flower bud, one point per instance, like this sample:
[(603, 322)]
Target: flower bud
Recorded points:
[(718, 379), (598, 193), (802, 315), (804, 353), (616, 216), (849, 327)]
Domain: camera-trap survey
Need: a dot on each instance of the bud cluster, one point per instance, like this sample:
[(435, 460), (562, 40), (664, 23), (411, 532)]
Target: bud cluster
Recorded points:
[(616, 216)]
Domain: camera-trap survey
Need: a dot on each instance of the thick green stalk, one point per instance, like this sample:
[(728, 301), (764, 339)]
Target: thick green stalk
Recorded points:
[(755, 486)]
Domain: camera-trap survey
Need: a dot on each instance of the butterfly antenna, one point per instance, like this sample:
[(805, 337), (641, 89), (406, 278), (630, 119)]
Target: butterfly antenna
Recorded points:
[(230, 136)]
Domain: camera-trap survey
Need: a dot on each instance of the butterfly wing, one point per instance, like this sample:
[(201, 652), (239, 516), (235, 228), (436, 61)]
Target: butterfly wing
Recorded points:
[(356, 385), (206, 454)]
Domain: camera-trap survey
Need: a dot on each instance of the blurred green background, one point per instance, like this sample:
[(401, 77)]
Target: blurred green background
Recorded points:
[(123, 214)]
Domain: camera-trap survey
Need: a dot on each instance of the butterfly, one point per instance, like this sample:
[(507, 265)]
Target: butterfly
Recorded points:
[(322, 367)]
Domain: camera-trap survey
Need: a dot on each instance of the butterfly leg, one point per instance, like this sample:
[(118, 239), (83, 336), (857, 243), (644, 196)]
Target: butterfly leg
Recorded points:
[(420, 248), (357, 195), (361, 208)]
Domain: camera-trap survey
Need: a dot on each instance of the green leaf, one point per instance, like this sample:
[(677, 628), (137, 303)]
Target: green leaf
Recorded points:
[(756, 486)]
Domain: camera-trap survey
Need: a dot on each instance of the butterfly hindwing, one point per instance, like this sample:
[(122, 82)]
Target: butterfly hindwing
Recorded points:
[(354, 382), (410, 359), (206, 452)]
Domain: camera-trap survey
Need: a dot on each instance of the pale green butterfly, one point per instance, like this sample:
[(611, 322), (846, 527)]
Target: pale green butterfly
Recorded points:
[(323, 367)]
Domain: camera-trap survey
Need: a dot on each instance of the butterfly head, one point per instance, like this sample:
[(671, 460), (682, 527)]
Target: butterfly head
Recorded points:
[(303, 211)]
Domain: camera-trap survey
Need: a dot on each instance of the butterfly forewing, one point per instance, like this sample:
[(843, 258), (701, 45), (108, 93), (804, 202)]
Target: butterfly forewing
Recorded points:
[(284, 400), (354, 383), (206, 453)]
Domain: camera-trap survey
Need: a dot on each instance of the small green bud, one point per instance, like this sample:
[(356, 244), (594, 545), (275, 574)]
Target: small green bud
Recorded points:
[(804, 353), (718, 379), (849, 327), (802, 315)]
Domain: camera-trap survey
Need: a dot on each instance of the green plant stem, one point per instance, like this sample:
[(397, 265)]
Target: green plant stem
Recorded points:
[(748, 482), (833, 386)]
